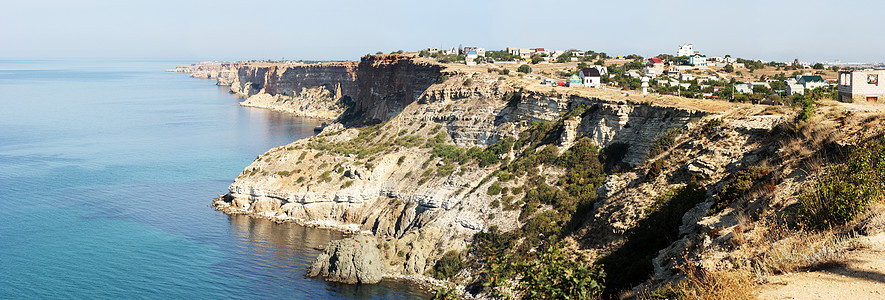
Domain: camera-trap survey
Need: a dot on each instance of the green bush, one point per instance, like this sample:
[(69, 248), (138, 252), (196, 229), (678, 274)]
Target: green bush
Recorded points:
[(847, 189), (524, 69), (664, 143), (655, 169), (494, 190), (284, 173), (555, 276), (447, 266), (807, 111), (743, 181), (711, 125)]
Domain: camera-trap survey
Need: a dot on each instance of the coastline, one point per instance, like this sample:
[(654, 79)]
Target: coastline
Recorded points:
[(426, 283)]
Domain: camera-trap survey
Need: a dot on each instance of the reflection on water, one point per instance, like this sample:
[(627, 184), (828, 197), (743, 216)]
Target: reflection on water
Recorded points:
[(288, 248)]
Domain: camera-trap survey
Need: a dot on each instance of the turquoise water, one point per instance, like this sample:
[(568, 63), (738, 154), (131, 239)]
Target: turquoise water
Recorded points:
[(107, 170)]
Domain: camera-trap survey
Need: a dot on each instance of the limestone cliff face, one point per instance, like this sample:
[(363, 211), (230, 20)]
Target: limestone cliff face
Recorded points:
[(339, 78), (313, 90), (371, 179), (369, 91), (634, 124), (224, 73), (387, 83)]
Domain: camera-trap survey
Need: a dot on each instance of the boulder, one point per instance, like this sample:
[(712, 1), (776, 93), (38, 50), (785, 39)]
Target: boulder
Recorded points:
[(351, 260)]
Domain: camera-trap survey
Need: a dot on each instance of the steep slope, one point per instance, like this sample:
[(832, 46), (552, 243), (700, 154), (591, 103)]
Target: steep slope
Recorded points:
[(392, 180), (429, 158)]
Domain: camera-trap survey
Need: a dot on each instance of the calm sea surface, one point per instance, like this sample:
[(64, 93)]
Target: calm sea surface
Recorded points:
[(107, 170)]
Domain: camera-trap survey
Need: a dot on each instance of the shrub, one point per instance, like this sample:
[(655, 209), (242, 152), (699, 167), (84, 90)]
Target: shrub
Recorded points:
[(400, 160), (524, 69), (664, 143), (848, 188), (442, 78), (494, 190), (655, 169), (284, 173), (743, 181), (554, 276), (806, 112), (347, 184), (711, 125), (447, 266)]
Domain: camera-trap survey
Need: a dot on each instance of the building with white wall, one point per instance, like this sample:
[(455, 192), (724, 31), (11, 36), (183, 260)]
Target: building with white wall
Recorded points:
[(591, 77), (685, 50), (697, 60), (855, 86), (481, 52)]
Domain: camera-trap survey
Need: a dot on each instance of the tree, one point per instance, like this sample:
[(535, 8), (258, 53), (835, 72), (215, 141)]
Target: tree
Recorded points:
[(379, 52), (818, 66), (565, 57), (524, 69), (778, 85), (536, 59), (582, 65), (729, 68)]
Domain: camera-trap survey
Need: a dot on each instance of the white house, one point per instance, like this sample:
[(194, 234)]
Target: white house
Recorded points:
[(591, 77), (811, 82), (795, 88), (526, 53), (743, 88), (685, 50), (470, 58), (697, 60), (686, 77)]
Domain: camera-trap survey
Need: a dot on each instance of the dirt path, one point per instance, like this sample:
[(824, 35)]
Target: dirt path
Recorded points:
[(862, 276)]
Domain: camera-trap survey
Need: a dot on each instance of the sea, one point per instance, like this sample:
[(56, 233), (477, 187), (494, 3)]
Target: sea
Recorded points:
[(108, 168)]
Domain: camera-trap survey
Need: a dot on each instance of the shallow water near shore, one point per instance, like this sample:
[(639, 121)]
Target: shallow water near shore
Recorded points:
[(107, 170)]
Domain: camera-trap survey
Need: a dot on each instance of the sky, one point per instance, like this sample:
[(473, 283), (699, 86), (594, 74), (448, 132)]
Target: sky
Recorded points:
[(810, 30)]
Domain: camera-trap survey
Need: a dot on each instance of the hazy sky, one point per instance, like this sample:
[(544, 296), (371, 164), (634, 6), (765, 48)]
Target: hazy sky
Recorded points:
[(810, 30)]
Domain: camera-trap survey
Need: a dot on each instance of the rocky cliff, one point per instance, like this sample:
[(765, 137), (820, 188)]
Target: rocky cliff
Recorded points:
[(426, 156), (387, 181)]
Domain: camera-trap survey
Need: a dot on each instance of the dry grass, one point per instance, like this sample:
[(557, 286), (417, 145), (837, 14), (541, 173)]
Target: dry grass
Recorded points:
[(807, 137), (708, 285), (802, 251)]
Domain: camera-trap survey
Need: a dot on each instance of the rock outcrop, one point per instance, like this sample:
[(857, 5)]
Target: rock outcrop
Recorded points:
[(401, 193), (351, 260)]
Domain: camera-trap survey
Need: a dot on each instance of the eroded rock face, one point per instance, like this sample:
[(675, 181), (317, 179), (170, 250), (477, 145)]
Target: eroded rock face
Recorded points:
[(352, 260)]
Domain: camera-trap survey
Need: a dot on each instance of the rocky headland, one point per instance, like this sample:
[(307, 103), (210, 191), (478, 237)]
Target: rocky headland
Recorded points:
[(424, 156)]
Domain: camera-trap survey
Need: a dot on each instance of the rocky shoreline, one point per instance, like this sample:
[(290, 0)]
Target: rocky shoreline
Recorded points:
[(426, 283), (390, 170)]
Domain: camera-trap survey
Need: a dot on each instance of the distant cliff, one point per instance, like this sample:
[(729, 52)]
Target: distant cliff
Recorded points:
[(368, 91)]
